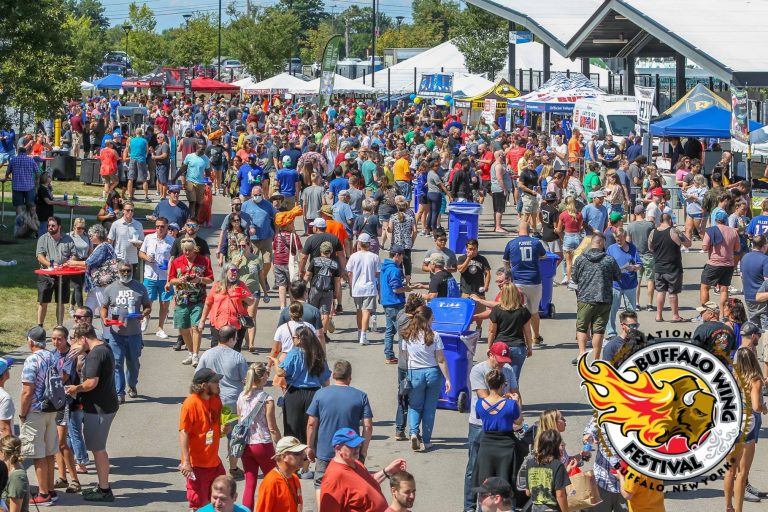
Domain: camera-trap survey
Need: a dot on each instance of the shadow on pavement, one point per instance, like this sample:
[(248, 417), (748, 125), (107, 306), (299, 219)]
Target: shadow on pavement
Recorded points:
[(143, 465)]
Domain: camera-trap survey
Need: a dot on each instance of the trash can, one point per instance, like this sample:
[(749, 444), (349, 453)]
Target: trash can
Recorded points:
[(451, 318), (548, 269), (463, 224)]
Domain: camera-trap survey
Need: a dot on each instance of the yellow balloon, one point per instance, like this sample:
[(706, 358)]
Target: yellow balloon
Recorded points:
[(417, 100)]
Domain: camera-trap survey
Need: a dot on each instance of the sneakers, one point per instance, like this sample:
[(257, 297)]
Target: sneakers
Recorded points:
[(161, 334), (98, 494), (650, 308), (391, 360), (195, 360), (415, 444), (41, 500), (364, 339), (755, 492), (400, 436), (564, 281), (132, 392), (188, 359), (733, 290), (144, 324), (265, 298), (572, 286), (749, 495)]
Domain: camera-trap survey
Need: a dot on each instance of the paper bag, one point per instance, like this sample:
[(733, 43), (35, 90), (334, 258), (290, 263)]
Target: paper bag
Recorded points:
[(582, 493)]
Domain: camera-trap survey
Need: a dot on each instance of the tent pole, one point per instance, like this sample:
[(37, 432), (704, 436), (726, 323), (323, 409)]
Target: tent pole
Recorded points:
[(414, 80), (389, 91)]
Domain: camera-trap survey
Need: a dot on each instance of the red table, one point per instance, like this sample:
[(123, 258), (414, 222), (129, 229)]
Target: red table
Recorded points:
[(60, 272)]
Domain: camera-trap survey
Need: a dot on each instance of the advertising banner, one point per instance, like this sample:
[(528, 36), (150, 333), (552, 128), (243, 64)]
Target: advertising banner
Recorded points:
[(739, 115), (328, 68), (644, 97)]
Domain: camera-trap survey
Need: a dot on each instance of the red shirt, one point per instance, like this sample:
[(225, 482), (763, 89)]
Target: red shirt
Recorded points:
[(485, 169), (350, 490), (282, 245), (162, 122), (76, 122), (227, 306), (572, 224), (513, 156), (108, 157)]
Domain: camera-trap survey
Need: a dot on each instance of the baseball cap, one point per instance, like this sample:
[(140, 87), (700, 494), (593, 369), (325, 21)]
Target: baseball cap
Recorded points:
[(396, 249), (658, 192), (721, 216), (344, 193), (615, 216), (711, 306), (639, 209), (500, 350), (348, 437), (174, 188), (6, 362), (198, 127), (351, 155), (286, 159), (747, 329), (550, 196), (289, 444), (173, 225), (495, 485), (36, 334), (364, 238), (204, 375), (254, 156), (596, 193), (326, 247), (438, 258), (319, 223)]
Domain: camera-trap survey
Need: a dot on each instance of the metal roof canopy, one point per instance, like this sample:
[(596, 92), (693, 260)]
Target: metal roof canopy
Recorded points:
[(726, 38)]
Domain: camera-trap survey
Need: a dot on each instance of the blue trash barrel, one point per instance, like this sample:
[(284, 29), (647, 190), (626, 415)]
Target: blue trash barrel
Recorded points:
[(548, 269), (450, 318), (463, 224)]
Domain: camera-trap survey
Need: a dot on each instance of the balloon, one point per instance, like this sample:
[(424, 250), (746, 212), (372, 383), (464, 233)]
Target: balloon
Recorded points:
[(450, 102), (447, 97), (412, 96), (417, 100)]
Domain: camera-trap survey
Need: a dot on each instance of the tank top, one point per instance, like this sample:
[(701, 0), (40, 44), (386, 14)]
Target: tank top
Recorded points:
[(497, 418), (667, 258)]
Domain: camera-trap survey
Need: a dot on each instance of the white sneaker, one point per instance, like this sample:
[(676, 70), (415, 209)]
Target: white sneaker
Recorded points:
[(364, 339), (188, 360), (564, 281), (733, 290), (684, 249), (195, 360), (144, 324), (161, 334)]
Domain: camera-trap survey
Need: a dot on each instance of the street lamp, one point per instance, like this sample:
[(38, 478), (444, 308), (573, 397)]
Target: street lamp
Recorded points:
[(187, 17), (127, 28), (218, 50), (399, 21)]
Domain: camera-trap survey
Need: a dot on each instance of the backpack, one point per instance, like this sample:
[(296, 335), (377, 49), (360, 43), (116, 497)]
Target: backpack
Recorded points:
[(54, 397), (452, 288), (243, 427)]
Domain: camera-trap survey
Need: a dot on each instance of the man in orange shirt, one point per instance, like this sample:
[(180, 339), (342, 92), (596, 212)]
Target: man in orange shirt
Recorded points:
[(199, 436), (336, 228), (281, 489), (402, 172), (574, 148), (347, 485)]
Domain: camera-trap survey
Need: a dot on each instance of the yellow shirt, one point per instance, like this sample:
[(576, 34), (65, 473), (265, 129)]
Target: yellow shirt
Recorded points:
[(645, 497), (402, 170)]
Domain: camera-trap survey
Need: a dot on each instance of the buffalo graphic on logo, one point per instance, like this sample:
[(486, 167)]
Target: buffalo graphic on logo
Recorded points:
[(657, 410)]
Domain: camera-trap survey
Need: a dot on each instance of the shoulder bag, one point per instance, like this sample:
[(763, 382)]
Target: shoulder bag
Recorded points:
[(405, 386), (240, 431), (246, 321)]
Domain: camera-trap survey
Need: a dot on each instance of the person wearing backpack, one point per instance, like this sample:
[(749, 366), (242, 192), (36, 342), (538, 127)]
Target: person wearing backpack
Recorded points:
[(441, 283), (37, 413), (215, 153)]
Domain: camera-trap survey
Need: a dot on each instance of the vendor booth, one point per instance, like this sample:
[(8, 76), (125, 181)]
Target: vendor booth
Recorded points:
[(148, 81), (489, 104), (283, 83), (109, 82), (558, 94)]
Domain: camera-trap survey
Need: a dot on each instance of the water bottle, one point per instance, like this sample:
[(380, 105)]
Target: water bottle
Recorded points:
[(75, 199), (66, 197)]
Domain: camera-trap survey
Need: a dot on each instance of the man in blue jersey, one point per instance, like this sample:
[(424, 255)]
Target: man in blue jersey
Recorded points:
[(759, 223), (522, 255), (595, 214)]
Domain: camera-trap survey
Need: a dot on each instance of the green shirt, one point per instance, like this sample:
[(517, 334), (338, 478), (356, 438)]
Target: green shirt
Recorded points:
[(430, 144), (18, 487), (359, 116), (369, 173), (409, 136), (591, 182)]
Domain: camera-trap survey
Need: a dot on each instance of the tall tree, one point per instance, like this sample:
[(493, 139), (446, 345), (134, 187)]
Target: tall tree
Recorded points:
[(88, 41), (263, 39), (309, 12), (90, 8), (312, 50), (194, 43), (438, 17), (145, 47), (482, 38), (36, 63), (358, 20)]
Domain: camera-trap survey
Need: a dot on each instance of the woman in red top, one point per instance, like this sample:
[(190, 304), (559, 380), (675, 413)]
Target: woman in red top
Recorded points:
[(226, 303), (108, 170), (285, 243), (571, 223)]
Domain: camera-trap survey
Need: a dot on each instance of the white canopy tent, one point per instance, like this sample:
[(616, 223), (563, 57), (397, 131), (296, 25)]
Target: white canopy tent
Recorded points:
[(465, 84), (341, 85), (278, 84), (558, 94), (84, 85), (447, 58), (244, 83)]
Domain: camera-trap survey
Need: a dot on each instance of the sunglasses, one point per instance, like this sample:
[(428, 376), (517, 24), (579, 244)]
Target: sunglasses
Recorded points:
[(632, 326), (80, 317), (190, 225), (162, 226)]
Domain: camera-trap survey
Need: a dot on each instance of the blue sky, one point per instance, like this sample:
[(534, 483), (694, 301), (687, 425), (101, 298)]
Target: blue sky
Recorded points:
[(169, 13)]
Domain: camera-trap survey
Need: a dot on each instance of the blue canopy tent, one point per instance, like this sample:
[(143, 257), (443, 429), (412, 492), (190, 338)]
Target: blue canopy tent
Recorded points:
[(713, 122), (109, 82)]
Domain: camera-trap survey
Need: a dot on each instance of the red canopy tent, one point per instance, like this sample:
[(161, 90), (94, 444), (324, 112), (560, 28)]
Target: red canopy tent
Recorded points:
[(207, 85)]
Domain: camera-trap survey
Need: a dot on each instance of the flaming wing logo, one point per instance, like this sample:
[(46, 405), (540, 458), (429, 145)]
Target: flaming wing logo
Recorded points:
[(656, 411)]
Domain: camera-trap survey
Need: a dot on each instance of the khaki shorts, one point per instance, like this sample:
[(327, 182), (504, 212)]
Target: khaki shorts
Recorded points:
[(109, 178), (479, 308), (591, 316), (289, 202), (647, 273), (532, 293), (530, 204), (38, 435), (368, 302), (264, 249), (195, 192)]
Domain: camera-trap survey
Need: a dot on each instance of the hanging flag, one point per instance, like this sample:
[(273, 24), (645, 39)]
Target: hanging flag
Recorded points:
[(328, 68), (739, 115), (644, 97)]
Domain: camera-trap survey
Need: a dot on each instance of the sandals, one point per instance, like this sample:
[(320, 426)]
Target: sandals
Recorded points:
[(236, 472), (81, 469), (74, 487), (61, 483)]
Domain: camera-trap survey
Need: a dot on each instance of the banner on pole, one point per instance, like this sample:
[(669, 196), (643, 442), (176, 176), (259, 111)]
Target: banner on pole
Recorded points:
[(739, 115), (328, 68), (435, 85), (489, 110), (644, 97)]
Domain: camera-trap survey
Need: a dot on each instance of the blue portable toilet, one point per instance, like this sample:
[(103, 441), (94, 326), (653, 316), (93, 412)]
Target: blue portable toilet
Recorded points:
[(451, 317), (463, 224), (548, 269)]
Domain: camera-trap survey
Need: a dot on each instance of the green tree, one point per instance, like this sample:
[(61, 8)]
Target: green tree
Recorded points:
[(358, 19), (312, 50), (88, 41), (309, 12), (145, 47), (407, 36), (482, 38), (90, 8), (195, 43), (437, 17), (36, 62), (262, 39)]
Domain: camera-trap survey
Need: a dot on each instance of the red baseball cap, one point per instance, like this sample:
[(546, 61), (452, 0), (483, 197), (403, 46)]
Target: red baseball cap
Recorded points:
[(500, 351), (657, 191)]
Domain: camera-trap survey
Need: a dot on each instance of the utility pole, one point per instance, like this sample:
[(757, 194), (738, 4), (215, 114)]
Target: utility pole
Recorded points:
[(373, 45), (346, 35), (218, 50)]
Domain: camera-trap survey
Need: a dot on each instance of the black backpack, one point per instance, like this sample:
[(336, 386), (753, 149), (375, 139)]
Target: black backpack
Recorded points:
[(54, 396)]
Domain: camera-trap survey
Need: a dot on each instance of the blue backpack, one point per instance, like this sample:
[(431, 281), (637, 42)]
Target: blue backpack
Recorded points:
[(453, 289)]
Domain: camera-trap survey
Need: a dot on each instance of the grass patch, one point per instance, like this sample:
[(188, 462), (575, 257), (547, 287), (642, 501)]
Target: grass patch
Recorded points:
[(18, 291)]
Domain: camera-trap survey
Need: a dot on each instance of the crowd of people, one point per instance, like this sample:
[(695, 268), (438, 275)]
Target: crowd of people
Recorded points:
[(334, 198)]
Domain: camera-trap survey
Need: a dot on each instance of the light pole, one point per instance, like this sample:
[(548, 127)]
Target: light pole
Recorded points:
[(127, 28), (218, 51), (373, 45), (187, 17), (399, 21)]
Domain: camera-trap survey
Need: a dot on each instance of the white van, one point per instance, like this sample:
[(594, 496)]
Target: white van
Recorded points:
[(606, 115)]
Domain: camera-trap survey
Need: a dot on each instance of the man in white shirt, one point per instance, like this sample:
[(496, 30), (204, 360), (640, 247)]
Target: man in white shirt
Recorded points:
[(364, 267), (127, 235), (654, 208), (7, 409), (156, 252)]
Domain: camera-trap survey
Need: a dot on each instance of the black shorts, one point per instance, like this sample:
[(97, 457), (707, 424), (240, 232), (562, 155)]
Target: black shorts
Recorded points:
[(716, 276), (423, 199), (48, 289), (672, 283), (499, 202)]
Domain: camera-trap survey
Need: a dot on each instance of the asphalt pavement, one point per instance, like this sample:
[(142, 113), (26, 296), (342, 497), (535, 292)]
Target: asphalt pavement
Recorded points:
[(143, 443)]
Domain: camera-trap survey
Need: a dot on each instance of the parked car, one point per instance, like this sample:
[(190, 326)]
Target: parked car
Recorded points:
[(294, 65)]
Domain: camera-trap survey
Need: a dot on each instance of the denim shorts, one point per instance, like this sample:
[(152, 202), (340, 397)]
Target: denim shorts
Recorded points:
[(156, 289), (571, 241)]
